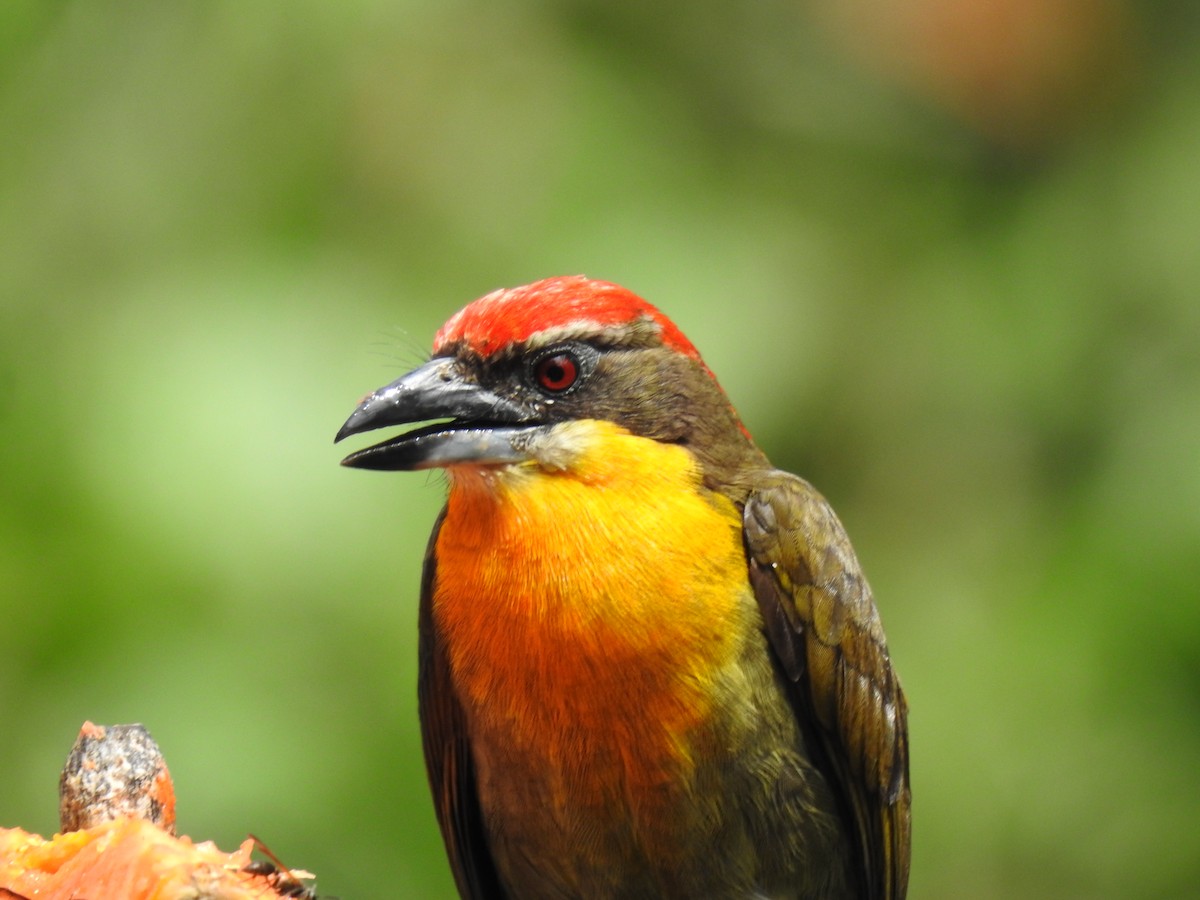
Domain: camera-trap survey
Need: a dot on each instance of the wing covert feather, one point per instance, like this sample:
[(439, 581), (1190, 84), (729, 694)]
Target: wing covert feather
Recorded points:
[(825, 631)]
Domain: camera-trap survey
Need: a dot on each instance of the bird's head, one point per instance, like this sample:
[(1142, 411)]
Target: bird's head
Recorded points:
[(511, 368)]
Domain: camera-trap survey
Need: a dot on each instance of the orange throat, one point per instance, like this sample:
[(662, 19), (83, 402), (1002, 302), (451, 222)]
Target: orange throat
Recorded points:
[(589, 606)]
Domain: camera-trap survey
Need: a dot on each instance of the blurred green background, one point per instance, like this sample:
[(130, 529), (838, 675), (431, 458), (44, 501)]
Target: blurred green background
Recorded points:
[(944, 257)]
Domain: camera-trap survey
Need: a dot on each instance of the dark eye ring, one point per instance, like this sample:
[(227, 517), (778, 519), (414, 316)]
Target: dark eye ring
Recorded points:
[(557, 371)]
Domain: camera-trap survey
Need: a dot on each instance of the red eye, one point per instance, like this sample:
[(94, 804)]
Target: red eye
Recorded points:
[(556, 372)]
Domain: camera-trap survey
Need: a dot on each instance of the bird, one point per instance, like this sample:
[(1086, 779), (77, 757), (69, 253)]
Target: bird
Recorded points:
[(649, 662)]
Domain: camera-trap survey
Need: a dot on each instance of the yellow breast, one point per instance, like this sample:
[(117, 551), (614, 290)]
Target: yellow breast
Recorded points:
[(588, 607)]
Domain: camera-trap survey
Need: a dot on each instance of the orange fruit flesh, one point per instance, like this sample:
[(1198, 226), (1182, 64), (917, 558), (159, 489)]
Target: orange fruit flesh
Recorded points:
[(126, 858)]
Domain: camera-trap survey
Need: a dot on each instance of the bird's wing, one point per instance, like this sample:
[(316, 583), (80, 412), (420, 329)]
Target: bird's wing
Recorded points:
[(822, 624), (448, 754)]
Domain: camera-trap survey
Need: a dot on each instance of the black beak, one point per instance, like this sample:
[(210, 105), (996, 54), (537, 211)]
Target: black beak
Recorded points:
[(481, 427)]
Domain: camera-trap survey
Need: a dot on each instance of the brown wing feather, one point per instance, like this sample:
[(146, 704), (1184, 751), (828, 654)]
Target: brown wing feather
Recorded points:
[(448, 755), (826, 633)]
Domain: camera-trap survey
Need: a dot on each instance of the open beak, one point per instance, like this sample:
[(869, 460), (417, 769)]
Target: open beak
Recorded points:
[(484, 428)]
